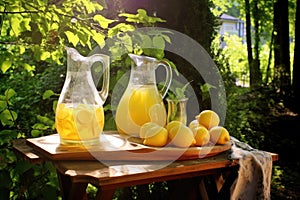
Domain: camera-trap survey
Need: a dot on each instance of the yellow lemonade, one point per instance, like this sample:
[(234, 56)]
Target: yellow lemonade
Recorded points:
[(82, 124), (138, 106)]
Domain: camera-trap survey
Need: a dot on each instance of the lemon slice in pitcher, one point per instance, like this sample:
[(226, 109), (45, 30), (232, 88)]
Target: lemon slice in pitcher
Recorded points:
[(83, 114), (158, 114)]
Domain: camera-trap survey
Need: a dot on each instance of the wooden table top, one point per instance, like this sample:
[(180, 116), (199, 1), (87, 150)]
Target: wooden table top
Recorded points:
[(125, 173), (119, 173), (113, 146)]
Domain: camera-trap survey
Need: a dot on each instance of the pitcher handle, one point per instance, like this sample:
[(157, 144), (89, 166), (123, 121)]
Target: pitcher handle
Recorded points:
[(104, 59), (163, 91)]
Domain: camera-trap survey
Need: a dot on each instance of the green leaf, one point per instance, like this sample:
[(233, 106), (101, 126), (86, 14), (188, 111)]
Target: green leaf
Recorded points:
[(116, 52), (22, 49), (159, 42), (72, 38), (47, 94), (44, 55), (6, 65), (205, 88), (126, 42), (25, 24), (36, 133), (28, 67), (9, 93), (45, 120), (99, 38), (40, 126), (104, 22), (157, 53), (141, 17), (2, 105), (122, 27), (83, 37), (7, 117), (179, 92), (92, 6), (15, 25), (147, 42), (173, 66), (54, 105), (167, 38)]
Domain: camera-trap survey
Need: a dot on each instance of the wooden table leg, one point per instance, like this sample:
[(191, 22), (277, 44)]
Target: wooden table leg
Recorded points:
[(70, 190), (229, 180), (202, 190), (217, 186)]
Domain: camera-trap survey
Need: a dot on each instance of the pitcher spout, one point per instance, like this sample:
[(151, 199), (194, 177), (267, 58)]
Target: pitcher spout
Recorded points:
[(141, 60), (73, 54)]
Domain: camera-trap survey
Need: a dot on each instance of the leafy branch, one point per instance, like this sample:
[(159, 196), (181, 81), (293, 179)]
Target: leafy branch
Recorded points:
[(7, 115), (178, 93), (19, 12)]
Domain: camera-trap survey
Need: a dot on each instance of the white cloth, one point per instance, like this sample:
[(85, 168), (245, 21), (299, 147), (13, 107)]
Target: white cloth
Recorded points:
[(254, 176)]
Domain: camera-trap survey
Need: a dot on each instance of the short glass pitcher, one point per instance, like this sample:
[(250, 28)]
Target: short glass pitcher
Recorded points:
[(79, 117)]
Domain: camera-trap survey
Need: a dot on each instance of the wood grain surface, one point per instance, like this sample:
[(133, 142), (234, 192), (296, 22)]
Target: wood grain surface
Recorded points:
[(114, 146)]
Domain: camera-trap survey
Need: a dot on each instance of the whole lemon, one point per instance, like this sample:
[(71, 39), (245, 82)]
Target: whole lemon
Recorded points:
[(219, 135), (202, 136), (173, 124), (194, 124), (158, 139), (148, 129), (208, 118), (181, 136)]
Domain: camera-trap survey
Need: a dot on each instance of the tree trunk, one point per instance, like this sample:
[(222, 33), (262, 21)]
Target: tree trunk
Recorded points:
[(268, 72), (256, 77), (282, 74), (296, 66), (248, 39)]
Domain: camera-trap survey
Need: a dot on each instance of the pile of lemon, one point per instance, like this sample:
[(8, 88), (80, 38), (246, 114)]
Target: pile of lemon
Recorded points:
[(204, 129)]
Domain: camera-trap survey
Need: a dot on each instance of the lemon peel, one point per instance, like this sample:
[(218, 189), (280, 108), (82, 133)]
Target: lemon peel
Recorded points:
[(208, 118)]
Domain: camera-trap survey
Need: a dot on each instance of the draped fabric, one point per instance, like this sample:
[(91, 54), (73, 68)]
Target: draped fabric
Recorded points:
[(255, 172)]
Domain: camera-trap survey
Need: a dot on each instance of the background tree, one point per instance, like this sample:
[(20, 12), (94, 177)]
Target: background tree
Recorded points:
[(255, 73), (249, 41), (282, 72), (296, 65)]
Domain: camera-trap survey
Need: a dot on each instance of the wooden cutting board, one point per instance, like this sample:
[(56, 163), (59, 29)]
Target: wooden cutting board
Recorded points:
[(114, 146)]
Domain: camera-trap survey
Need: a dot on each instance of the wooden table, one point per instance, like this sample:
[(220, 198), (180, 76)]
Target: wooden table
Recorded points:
[(213, 175)]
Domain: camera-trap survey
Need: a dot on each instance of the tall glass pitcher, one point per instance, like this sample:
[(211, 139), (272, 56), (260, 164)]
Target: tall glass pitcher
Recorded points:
[(142, 102), (79, 117)]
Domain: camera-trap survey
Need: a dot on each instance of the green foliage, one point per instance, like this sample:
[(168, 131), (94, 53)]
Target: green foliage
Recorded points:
[(232, 58), (33, 67), (141, 18), (246, 117), (178, 92), (7, 116)]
